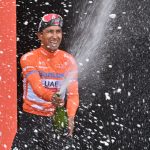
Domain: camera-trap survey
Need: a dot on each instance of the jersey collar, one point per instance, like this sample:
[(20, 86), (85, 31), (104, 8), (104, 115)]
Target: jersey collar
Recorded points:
[(48, 54)]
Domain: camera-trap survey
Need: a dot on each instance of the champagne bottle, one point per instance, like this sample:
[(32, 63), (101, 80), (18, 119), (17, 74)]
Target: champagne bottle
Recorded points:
[(60, 118)]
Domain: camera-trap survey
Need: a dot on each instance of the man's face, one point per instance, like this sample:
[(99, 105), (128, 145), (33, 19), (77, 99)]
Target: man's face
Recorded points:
[(51, 38)]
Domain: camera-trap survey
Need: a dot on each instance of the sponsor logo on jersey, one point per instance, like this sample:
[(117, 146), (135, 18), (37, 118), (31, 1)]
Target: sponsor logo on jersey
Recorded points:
[(52, 83), (51, 74)]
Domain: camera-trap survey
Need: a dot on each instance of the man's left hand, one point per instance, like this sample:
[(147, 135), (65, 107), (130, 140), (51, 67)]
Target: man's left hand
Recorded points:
[(70, 125)]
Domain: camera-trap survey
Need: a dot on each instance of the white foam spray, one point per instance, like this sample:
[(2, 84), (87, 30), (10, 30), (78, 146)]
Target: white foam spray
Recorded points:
[(88, 34)]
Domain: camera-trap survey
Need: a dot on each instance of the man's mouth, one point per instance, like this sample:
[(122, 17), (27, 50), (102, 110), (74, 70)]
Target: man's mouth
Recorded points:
[(54, 44)]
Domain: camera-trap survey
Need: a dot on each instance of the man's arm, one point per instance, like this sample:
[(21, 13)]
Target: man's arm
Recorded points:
[(72, 96), (32, 76)]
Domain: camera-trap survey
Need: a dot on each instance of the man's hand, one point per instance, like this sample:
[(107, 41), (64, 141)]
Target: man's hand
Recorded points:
[(56, 100), (70, 125)]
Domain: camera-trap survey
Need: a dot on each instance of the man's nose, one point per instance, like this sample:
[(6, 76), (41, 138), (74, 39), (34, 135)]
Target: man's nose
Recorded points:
[(54, 34)]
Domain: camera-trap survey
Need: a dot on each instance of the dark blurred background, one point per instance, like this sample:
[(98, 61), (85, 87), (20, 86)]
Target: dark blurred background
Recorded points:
[(117, 113)]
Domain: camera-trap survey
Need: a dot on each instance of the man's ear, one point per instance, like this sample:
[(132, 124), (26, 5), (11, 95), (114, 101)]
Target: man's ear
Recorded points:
[(39, 35)]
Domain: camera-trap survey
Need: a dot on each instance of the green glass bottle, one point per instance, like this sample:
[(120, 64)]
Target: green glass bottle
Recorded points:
[(60, 119)]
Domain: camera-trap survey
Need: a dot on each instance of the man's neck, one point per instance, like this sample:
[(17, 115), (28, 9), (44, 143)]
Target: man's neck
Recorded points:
[(47, 49)]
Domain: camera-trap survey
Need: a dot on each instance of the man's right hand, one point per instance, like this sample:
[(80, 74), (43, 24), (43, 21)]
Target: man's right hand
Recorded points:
[(56, 100)]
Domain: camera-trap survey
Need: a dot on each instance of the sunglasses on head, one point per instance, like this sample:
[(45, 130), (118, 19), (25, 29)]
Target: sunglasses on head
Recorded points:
[(53, 18)]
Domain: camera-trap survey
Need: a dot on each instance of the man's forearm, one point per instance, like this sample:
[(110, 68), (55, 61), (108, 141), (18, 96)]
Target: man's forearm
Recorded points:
[(70, 125)]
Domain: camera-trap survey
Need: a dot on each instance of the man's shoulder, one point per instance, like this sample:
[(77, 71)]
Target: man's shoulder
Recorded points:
[(66, 54), (68, 57), (30, 55)]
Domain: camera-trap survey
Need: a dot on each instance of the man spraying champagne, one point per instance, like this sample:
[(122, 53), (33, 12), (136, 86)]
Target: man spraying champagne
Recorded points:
[(45, 71)]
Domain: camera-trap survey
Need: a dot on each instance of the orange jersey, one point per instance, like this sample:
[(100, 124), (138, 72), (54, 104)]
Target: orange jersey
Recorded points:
[(44, 74)]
